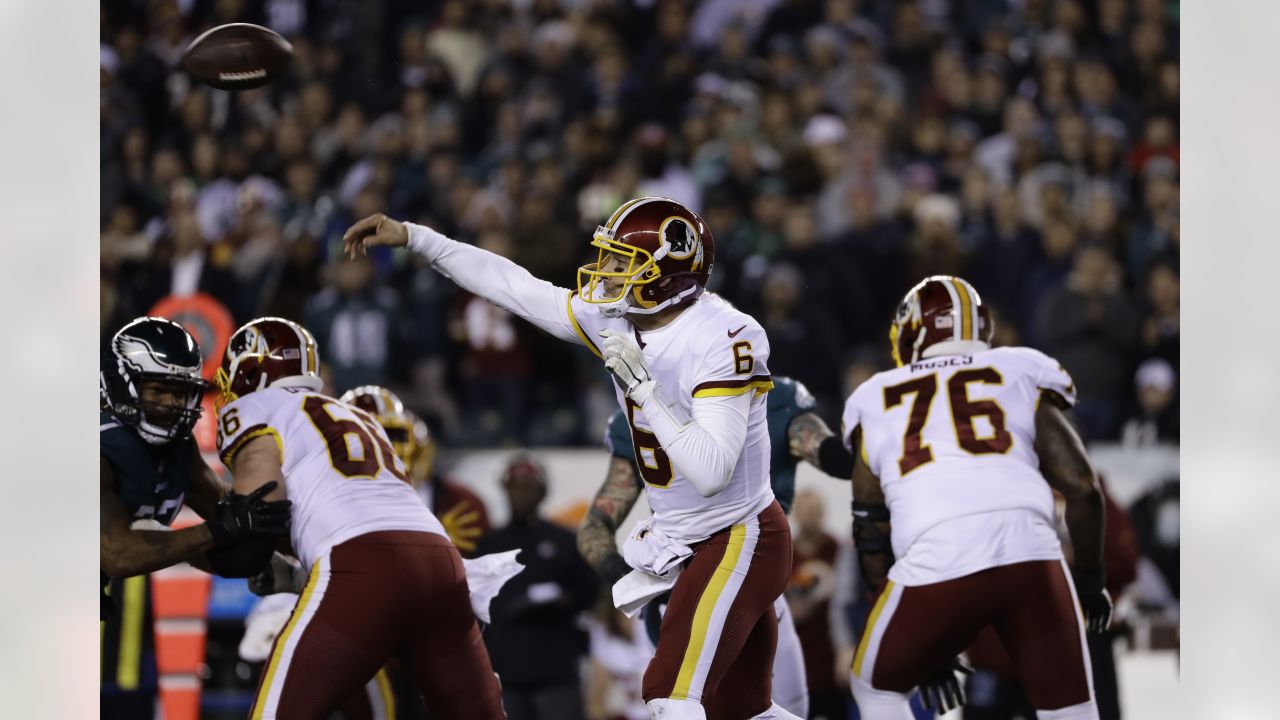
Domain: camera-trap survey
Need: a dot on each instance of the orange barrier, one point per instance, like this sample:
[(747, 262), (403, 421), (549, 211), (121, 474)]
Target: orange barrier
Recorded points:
[(180, 603)]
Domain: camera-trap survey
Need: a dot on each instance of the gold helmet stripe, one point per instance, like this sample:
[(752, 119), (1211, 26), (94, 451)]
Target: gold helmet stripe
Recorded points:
[(966, 327), (621, 212), (627, 208)]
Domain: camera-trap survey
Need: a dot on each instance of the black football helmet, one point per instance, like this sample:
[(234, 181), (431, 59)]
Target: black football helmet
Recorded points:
[(161, 353)]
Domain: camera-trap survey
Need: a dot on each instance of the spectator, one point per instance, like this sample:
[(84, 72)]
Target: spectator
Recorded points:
[(1055, 124), (803, 340), (809, 594), (1155, 419), (534, 640), (355, 324), (1088, 325), (1156, 521), (1160, 329), (620, 651)]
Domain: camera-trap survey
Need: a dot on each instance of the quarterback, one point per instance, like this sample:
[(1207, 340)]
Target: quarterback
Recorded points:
[(692, 378), (796, 433), (960, 449)]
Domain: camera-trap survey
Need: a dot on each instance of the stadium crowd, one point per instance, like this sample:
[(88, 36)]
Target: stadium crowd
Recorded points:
[(839, 150)]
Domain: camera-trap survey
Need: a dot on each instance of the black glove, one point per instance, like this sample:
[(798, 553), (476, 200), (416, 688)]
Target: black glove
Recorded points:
[(1095, 601), (241, 516), (944, 691)]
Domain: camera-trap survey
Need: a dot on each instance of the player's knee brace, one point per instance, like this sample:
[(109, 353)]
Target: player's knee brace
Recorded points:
[(876, 704), (1083, 711), (669, 709)]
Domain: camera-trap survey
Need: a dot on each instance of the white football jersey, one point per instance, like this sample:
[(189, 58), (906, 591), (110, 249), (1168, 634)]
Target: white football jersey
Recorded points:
[(710, 349), (340, 471), (952, 440)]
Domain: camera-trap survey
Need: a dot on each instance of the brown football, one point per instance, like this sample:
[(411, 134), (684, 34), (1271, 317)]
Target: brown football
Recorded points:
[(238, 56)]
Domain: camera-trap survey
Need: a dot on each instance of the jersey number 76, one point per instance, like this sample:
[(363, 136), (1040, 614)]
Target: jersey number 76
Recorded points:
[(963, 410)]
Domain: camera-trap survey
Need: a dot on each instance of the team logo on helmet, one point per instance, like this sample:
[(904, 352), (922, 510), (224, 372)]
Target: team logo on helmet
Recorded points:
[(681, 240)]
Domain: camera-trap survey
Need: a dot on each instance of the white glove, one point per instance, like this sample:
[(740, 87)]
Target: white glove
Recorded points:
[(623, 358), (282, 575)]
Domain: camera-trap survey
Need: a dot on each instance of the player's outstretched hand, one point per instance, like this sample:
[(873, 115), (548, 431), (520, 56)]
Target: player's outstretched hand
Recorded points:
[(1095, 601), (944, 692), (375, 230), (241, 516)]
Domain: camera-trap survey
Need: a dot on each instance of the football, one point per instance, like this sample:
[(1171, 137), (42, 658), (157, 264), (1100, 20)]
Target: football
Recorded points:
[(237, 56)]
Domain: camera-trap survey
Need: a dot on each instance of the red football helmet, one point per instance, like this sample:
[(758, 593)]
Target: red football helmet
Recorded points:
[(654, 252), (268, 352), (942, 309), (408, 434)]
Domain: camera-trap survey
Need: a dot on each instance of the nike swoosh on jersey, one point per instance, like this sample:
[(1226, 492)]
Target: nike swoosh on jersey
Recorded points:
[(735, 332)]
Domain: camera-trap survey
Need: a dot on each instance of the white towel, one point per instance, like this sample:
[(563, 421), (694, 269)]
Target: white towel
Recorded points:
[(637, 588), (485, 577), (657, 560), (649, 549)]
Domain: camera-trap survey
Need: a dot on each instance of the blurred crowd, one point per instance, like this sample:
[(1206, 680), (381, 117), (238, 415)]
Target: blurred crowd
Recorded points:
[(840, 150)]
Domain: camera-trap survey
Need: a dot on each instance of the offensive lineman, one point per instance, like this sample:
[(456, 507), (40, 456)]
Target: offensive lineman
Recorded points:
[(796, 433), (691, 372), (461, 511), (384, 579), (961, 447)]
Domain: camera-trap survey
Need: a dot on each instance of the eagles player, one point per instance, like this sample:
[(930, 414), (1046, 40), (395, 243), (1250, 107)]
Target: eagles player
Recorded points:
[(151, 388), (961, 448), (692, 376), (796, 433)]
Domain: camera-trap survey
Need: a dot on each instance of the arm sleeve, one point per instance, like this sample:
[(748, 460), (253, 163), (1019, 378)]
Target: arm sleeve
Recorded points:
[(706, 447), (497, 280)]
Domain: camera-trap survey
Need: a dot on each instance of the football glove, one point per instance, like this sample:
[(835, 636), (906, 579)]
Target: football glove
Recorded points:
[(1095, 601), (623, 359), (944, 692), (241, 516)]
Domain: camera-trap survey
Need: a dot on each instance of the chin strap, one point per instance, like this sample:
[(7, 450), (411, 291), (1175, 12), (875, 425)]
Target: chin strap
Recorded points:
[(673, 300)]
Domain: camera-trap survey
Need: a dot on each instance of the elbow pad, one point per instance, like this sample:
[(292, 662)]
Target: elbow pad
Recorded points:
[(242, 559), (834, 459)]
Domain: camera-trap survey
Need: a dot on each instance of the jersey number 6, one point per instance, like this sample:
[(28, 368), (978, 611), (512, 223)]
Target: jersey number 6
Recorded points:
[(651, 459), (963, 410), (344, 436)]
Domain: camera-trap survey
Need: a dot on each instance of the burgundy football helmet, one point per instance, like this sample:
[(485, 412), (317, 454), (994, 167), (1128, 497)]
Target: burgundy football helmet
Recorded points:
[(659, 250), (268, 352), (942, 309), (408, 434)]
